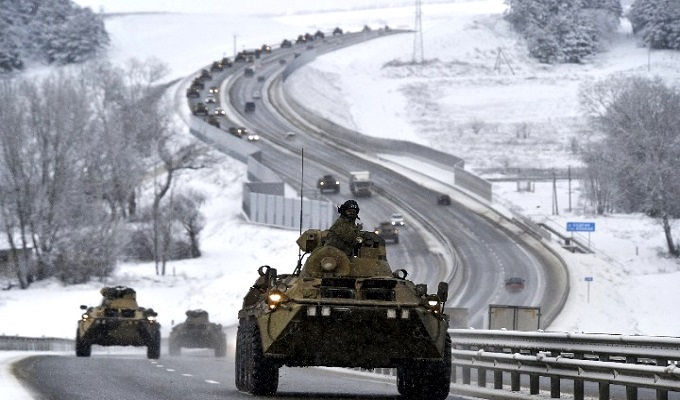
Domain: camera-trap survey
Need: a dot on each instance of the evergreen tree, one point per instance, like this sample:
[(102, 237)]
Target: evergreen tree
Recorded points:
[(657, 22)]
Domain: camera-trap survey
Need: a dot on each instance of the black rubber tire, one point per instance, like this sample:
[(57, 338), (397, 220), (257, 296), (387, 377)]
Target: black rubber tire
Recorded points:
[(426, 380), (239, 357), (255, 374), (153, 349), (83, 349)]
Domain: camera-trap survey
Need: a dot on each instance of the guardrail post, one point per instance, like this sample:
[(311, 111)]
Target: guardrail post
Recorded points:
[(631, 391), (662, 394), (534, 380), (603, 390), (578, 383), (481, 377), (554, 382), (466, 375), (514, 381), (498, 379), (534, 384)]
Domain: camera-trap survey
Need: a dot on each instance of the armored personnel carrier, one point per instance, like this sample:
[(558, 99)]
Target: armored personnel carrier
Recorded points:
[(337, 310), (118, 321), (198, 332)]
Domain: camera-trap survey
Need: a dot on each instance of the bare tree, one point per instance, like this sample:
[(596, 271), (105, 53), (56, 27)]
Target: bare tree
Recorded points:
[(176, 155), (639, 118), (186, 209)]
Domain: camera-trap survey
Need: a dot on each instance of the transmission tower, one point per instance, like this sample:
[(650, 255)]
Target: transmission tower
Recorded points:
[(418, 56)]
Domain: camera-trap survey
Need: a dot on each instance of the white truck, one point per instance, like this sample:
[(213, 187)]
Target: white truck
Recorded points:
[(360, 183)]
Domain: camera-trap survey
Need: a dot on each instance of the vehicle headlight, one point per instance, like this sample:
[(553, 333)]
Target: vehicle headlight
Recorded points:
[(433, 303), (151, 318), (275, 298), (84, 317)]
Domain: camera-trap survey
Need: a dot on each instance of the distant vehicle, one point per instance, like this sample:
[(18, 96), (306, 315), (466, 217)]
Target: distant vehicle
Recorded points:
[(266, 48), (388, 232), (212, 120), (319, 35), (253, 137), (367, 28), (250, 106), (214, 90), (200, 109), (444, 200), (205, 74), (210, 99), (328, 182), (397, 219), (286, 43), (238, 131), (219, 111), (248, 72), (261, 78), (514, 284), (360, 183), (226, 62), (337, 31), (300, 39), (197, 332), (282, 61), (118, 321), (198, 83), (193, 92), (216, 66), (256, 94)]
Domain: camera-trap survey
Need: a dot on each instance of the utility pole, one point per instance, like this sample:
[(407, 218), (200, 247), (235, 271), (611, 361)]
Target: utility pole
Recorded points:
[(418, 54)]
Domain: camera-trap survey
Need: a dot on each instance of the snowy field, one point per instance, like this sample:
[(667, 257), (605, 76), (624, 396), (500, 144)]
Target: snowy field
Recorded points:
[(433, 104)]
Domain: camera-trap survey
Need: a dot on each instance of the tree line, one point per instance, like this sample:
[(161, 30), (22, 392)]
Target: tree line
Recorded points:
[(55, 32), (89, 157), (568, 31)]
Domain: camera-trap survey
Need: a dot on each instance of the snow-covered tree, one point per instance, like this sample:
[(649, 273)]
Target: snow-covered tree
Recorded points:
[(564, 30), (657, 22), (639, 152)]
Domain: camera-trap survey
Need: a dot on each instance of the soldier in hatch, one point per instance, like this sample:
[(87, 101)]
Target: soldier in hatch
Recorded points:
[(344, 231)]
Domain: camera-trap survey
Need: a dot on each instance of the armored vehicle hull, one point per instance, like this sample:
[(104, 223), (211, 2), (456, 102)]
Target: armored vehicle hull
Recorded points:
[(198, 332), (118, 321), (344, 311)]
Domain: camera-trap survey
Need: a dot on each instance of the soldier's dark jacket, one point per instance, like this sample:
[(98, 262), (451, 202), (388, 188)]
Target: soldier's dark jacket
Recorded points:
[(342, 234)]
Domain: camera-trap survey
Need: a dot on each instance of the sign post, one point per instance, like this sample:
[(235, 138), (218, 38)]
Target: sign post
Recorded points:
[(581, 227), (588, 280)]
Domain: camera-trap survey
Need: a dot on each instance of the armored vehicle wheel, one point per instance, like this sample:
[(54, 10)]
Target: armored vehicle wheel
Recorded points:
[(426, 380), (254, 373), (153, 349), (83, 349), (174, 348), (221, 346)]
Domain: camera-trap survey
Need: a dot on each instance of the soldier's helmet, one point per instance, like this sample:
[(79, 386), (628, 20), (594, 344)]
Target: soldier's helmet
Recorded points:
[(349, 205)]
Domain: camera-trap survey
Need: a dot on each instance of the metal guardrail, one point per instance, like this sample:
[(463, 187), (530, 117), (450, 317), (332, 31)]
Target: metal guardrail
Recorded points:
[(606, 359), (20, 343)]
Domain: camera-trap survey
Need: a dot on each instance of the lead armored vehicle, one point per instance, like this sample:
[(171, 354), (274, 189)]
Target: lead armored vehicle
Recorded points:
[(198, 332), (337, 310), (118, 321)]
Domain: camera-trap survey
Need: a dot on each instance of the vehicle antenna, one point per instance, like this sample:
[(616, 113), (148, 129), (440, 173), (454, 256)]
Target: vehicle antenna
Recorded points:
[(302, 178)]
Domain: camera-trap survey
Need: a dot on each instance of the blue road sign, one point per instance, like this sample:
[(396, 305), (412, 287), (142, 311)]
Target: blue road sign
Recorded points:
[(589, 278), (580, 227)]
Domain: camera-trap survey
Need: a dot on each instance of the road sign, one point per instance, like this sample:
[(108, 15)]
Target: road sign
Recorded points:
[(589, 278), (580, 227)]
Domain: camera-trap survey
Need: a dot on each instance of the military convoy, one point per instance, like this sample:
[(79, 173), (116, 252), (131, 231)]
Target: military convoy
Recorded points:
[(197, 332), (118, 321), (337, 310)]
